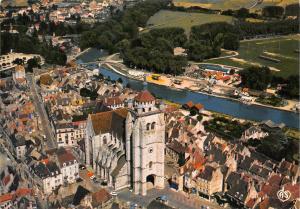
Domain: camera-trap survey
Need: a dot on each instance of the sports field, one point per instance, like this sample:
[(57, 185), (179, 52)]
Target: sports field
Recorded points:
[(231, 4), (184, 20), (282, 49)]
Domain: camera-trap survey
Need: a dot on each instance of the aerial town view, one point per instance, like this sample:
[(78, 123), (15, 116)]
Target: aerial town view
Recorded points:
[(149, 104)]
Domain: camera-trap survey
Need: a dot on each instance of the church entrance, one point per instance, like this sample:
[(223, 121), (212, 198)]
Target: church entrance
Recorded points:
[(150, 181)]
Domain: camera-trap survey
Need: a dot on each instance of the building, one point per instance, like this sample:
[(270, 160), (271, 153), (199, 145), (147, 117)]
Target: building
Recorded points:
[(19, 145), (68, 134), (209, 181), (126, 146), (68, 165), (19, 73), (49, 176)]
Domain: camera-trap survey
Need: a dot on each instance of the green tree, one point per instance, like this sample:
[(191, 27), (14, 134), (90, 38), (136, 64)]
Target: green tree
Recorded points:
[(273, 11), (231, 41), (257, 78)]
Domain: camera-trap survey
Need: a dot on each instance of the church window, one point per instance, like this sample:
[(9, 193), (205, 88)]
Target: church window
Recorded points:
[(150, 165), (150, 150), (104, 140), (149, 108), (148, 126), (144, 110), (153, 125)]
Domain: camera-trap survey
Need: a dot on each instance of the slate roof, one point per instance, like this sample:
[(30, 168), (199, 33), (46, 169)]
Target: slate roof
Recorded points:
[(81, 192), (207, 173), (176, 147), (218, 155), (157, 205), (239, 190), (246, 163)]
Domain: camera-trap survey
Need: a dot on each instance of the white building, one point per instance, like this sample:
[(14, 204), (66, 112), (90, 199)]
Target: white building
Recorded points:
[(126, 146), (68, 134), (49, 176), (68, 165), (19, 145)]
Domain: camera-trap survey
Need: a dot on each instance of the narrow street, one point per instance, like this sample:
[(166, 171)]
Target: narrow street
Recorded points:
[(39, 106)]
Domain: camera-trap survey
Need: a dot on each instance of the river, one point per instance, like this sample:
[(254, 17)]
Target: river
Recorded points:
[(222, 105)]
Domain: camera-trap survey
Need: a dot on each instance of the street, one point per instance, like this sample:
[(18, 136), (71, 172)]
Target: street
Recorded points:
[(178, 200), (39, 106)]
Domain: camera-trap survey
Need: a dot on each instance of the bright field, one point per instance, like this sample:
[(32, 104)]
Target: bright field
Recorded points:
[(230, 4), (282, 49), (184, 20)]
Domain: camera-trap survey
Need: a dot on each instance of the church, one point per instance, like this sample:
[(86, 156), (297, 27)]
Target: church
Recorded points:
[(126, 146)]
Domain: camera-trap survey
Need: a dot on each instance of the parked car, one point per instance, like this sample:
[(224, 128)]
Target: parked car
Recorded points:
[(113, 193), (92, 177), (163, 199), (82, 167)]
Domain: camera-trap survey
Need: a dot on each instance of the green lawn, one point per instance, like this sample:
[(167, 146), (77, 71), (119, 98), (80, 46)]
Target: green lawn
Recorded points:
[(184, 20), (279, 48)]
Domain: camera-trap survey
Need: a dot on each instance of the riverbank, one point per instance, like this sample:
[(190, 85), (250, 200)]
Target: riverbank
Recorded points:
[(189, 84)]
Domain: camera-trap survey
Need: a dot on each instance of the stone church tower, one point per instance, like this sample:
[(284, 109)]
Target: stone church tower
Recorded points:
[(145, 143)]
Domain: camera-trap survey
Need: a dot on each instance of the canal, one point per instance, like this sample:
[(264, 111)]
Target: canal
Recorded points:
[(222, 105)]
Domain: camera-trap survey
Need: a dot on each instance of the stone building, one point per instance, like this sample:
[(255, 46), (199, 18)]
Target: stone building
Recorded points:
[(126, 146)]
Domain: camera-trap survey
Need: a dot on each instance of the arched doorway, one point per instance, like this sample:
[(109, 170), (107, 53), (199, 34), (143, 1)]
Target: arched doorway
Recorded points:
[(150, 179)]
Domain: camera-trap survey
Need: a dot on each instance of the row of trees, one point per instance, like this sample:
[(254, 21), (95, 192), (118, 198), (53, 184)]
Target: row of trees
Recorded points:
[(267, 12), (259, 78), (282, 27)]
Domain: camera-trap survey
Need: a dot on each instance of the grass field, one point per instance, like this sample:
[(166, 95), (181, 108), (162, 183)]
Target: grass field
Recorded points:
[(279, 48), (231, 4), (184, 20)]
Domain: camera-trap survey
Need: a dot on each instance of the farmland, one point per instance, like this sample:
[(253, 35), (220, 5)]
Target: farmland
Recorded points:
[(231, 4), (184, 20), (282, 48)]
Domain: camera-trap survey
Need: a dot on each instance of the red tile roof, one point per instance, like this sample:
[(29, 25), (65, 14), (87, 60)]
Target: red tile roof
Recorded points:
[(189, 104), (264, 204), (23, 192), (5, 180), (250, 203), (293, 189), (199, 106), (275, 180), (144, 96), (5, 197)]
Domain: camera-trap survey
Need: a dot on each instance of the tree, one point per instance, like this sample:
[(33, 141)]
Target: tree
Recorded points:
[(231, 41), (199, 118), (257, 78), (193, 112), (32, 63), (292, 9), (242, 13), (291, 89), (272, 11)]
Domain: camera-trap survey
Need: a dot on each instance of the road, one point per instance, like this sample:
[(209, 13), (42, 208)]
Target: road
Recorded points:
[(178, 200), (40, 108)]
